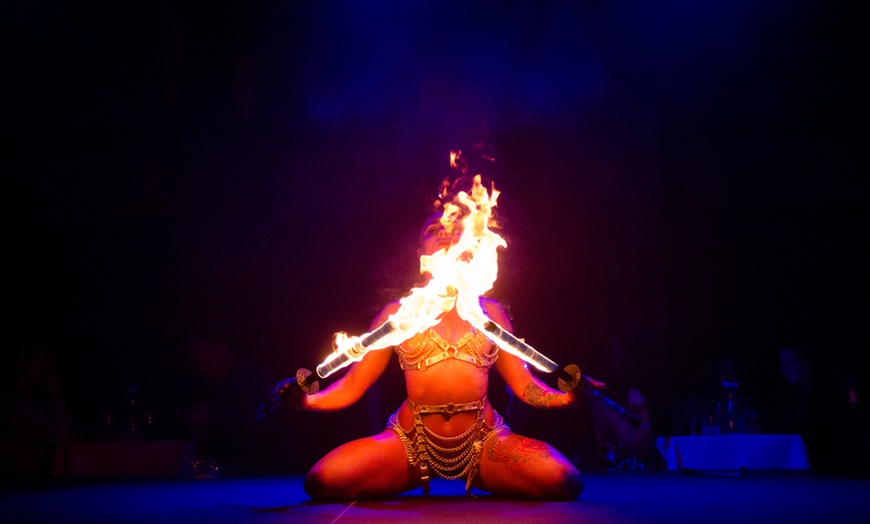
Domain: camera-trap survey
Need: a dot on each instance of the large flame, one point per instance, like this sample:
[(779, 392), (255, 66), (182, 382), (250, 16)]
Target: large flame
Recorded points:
[(460, 274)]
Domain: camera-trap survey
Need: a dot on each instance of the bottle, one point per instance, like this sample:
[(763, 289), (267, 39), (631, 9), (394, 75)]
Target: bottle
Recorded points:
[(710, 426), (729, 415)]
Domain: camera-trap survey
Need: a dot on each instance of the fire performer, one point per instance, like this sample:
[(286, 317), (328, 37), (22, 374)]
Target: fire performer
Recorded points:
[(446, 426)]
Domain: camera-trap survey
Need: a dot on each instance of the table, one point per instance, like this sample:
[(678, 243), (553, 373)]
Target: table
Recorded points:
[(733, 452), (121, 458)]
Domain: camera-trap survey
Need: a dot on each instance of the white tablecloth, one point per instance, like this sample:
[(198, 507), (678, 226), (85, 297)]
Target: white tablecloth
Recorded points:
[(732, 452)]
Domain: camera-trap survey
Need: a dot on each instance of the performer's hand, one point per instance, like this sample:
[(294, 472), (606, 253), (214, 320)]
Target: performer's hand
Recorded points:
[(290, 393), (570, 399)]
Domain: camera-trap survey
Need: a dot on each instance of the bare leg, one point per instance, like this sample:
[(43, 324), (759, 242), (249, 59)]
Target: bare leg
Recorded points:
[(521, 467), (371, 467)]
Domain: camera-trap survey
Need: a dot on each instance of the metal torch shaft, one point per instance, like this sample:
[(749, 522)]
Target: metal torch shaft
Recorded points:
[(512, 344), (569, 376), (366, 342)]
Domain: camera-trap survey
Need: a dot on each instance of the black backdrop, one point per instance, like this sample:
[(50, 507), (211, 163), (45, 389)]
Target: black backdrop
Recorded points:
[(679, 181)]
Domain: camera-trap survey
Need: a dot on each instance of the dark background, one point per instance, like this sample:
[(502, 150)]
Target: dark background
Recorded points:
[(680, 180)]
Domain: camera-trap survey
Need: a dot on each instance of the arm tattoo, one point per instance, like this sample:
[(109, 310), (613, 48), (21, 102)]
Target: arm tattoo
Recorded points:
[(535, 395), (515, 449)]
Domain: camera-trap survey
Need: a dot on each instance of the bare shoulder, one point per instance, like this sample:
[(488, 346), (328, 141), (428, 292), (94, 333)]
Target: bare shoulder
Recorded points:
[(497, 312)]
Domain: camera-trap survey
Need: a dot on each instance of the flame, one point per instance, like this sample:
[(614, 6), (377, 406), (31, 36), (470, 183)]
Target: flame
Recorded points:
[(460, 274)]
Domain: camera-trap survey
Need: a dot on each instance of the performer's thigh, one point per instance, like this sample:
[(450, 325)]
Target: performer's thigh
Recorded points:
[(516, 466), (375, 466)]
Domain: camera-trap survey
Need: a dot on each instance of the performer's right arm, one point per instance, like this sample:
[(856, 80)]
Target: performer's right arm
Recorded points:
[(358, 378)]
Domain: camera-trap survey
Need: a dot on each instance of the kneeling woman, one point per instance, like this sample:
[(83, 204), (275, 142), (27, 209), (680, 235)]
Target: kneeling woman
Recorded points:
[(446, 427)]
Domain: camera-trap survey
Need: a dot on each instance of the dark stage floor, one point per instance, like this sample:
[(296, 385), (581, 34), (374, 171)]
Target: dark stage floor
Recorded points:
[(661, 497)]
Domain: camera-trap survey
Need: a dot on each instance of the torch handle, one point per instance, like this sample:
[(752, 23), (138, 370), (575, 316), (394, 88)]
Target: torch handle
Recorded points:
[(305, 381)]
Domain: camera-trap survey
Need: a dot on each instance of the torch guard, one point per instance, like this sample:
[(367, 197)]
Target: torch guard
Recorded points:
[(569, 377), (308, 383)]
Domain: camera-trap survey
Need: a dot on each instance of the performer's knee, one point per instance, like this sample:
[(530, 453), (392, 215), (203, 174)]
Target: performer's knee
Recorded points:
[(318, 487), (563, 483), (313, 485), (569, 487)]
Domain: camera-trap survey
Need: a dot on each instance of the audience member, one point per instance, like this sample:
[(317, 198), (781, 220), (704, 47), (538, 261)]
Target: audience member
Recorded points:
[(814, 402), (621, 444), (33, 418), (226, 393)]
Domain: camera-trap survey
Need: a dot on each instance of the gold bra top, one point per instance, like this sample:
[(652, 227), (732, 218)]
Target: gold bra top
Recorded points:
[(428, 348)]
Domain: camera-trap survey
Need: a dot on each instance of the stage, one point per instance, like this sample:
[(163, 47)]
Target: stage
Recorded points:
[(660, 497)]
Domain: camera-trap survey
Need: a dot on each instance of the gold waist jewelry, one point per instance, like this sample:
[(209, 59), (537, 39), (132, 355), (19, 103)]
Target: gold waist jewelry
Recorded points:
[(447, 409), (450, 457)]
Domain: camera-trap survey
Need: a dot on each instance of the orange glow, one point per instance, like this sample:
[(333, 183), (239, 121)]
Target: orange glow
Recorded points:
[(460, 274)]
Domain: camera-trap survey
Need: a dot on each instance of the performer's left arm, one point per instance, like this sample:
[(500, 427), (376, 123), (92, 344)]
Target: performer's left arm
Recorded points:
[(516, 374)]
